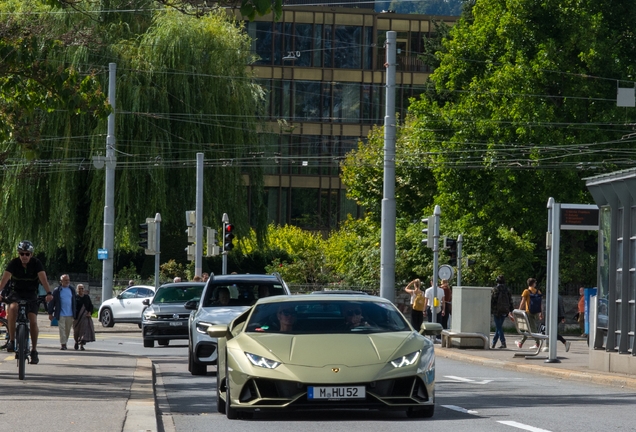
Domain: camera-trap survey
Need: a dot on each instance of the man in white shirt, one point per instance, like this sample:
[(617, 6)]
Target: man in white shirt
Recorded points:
[(434, 299)]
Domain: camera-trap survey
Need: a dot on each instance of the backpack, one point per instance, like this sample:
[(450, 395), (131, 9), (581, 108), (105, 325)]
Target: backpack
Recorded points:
[(503, 301), (535, 302), (418, 302)]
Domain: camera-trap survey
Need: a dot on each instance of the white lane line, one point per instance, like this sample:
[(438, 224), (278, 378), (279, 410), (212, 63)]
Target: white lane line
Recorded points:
[(459, 409), (523, 426), (467, 380)]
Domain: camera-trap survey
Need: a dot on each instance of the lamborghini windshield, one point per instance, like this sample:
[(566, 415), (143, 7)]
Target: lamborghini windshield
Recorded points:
[(320, 317)]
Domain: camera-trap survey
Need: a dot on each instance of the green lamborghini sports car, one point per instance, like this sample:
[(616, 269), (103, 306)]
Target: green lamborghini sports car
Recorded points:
[(322, 352)]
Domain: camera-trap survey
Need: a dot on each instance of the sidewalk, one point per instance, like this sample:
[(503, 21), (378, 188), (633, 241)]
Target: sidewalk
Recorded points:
[(574, 364), (78, 390)]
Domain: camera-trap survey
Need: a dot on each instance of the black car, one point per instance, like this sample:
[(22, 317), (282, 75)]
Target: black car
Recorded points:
[(166, 317)]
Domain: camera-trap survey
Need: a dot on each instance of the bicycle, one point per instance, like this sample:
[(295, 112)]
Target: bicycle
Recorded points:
[(22, 332)]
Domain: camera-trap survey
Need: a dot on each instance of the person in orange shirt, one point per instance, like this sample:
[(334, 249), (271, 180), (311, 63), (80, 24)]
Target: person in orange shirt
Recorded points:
[(581, 314), (532, 304)]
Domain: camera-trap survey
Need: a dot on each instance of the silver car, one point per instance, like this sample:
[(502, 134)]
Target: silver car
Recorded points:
[(224, 298)]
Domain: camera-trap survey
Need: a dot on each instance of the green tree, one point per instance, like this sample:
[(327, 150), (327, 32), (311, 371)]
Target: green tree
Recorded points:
[(182, 88), (521, 107)]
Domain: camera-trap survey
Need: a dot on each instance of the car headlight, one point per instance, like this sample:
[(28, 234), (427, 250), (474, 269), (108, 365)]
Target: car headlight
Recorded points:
[(262, 361), (406, 360), (150, 315), (202, 327)]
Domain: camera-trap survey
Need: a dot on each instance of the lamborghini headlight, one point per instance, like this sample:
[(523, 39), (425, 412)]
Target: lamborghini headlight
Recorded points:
[(202, 327), (406, 360), (262, 361)]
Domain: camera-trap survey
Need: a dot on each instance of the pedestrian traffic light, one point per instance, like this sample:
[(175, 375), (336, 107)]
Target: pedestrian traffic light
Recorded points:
[(212, 248), (452, 251), (148, 236), (228, 236), (429, 231)]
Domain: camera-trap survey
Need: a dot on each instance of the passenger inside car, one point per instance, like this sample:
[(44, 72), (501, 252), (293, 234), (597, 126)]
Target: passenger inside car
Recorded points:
[(223, 296), (353, 316), (286, 318)]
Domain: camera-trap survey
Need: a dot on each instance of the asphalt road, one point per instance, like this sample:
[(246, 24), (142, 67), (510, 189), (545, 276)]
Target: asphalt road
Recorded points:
[(469, 398)]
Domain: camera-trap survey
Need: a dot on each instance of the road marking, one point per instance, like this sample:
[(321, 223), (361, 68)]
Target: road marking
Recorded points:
[(459, 409), (467, 380), (523, 426)]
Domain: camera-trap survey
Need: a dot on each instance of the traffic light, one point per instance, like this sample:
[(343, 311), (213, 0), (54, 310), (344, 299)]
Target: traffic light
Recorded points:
[(452, 251), (148, 236), (228, 236), (213, 249), (191, 232), (429, 231), (450, 243)]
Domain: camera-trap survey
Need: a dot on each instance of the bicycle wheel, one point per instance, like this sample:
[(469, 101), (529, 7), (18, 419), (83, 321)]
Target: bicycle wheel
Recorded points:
[(21, 349)]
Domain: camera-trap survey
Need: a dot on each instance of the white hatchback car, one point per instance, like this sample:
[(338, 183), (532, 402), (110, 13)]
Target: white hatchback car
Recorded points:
[(127, 307)]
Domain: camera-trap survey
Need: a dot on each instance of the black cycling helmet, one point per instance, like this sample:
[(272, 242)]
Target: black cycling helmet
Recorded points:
[(25, 246)]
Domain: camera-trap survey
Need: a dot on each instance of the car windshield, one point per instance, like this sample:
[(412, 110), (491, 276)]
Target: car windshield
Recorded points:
[(177, 294), (333, 317), (240, 293)]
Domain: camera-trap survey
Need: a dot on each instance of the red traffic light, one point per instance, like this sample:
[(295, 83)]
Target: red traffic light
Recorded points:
[(229, 228)]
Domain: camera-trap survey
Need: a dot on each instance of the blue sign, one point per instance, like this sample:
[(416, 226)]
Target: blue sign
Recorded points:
[(102, 254)]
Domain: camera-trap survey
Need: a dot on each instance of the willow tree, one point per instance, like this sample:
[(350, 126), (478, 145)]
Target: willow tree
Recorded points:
[(182, 88)]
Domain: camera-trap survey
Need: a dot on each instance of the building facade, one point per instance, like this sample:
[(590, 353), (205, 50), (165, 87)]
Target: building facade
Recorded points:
[(323, 72), (613, 342)]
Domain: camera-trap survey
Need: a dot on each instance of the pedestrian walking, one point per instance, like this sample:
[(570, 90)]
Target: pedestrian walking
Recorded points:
[(561, 320), (434, 297), (532, 304), (62, 307), (501, 307), (417, 303), (580, 315), (448, 297), (83, 329)]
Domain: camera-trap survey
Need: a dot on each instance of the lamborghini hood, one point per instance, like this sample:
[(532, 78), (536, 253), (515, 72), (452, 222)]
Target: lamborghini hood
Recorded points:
[(347, 349)]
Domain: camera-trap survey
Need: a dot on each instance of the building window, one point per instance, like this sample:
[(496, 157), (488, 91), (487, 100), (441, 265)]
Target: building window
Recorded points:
[(346, 103), (348, 49), (302, 44), (307, 101)]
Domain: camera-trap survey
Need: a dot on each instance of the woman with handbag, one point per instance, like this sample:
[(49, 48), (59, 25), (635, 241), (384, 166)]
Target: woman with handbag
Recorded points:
[(417, 303), (83, 329)]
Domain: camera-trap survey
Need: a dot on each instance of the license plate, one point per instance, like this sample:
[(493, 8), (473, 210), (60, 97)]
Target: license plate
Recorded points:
[(335, 392), (176, 323)]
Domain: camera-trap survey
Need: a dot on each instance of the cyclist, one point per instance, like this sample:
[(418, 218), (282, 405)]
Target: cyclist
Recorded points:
[(25, 272)]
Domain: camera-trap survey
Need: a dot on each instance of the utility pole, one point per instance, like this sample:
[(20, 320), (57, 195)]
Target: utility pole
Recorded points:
[(225, 220), (198, 245), (109, 201), (157, 249), (387, 242), (460, 240), (436, 216)]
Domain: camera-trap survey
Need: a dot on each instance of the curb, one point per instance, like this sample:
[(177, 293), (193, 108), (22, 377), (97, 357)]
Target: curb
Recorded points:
[(140, 408), (566, 374)]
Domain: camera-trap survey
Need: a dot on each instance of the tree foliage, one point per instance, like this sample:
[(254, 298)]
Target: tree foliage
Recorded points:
[(182, 88), (522, 108)]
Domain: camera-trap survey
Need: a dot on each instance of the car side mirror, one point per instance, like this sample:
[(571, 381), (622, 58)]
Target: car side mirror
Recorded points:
[(218, 331), (431, 329), (191, 305), (118, 296), (146, 302)]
